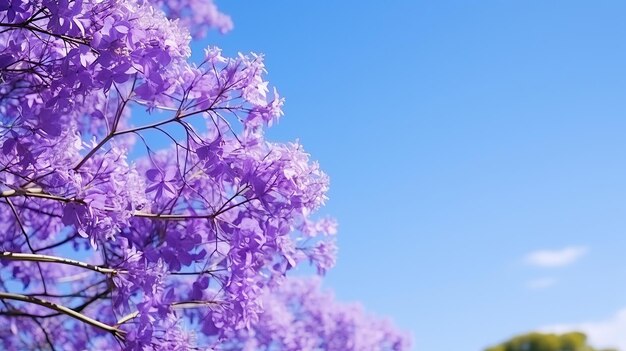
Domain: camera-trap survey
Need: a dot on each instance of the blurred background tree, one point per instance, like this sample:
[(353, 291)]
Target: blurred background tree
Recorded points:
[(573, 341)]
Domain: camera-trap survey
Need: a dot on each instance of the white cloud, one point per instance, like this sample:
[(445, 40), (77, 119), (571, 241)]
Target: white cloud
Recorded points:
[(541, 283), (556, 258), (603, 334)]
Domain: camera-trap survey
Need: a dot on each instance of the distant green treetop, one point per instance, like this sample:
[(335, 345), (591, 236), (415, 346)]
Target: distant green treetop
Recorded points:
[(574, 341)]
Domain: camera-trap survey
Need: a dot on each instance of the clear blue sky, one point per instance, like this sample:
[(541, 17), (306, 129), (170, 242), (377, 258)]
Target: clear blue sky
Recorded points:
[(460, 136)]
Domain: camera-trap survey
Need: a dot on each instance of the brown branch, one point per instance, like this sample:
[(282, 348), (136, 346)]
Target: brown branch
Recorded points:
[(39, 193), (15, 256), (32, 28), (172, 217), (62, 309), (175, 305), (57, 244)]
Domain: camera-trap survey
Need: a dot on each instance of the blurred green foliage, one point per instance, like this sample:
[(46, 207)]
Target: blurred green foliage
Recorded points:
[(574, 341)]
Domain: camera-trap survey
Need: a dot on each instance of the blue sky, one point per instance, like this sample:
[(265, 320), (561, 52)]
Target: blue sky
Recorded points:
[(470, 145)]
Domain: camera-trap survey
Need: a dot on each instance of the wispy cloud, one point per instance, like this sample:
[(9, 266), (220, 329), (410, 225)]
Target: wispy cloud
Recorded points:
[(556, 258), (541, 283), (604, 333)]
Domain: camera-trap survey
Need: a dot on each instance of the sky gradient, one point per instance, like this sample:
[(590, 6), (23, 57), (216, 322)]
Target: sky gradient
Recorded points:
[(476, 152)]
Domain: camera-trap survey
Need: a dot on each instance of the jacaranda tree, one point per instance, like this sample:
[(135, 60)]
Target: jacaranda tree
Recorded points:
[(174, 248)]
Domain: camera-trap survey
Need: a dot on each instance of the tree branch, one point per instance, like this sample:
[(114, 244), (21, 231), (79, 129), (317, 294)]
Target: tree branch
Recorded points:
[(175, 305), (15, 256), (68, 311)]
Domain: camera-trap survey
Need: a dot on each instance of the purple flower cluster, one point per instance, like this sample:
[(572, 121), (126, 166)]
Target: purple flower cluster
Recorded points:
[(298, 316), (169, 251)]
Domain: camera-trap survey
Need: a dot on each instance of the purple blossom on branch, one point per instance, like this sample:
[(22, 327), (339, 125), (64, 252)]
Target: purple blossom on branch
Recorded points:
[(299, 316), (170, 251)]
